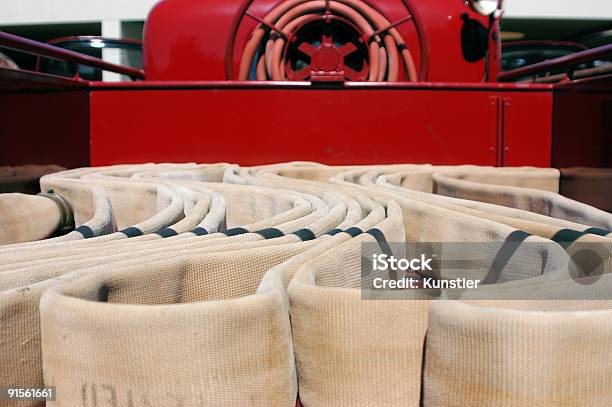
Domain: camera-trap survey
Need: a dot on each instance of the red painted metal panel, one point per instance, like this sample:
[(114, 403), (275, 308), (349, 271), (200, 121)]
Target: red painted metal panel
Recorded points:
[(583, 124), (527, 136), (48, 127), (19, 81), (335, 126)]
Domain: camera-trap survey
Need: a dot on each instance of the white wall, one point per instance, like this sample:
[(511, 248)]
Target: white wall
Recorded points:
[(571, 9), (56, 11)]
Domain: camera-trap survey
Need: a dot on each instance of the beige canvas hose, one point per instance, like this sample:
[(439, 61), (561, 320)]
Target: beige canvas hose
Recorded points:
[(215, 284)]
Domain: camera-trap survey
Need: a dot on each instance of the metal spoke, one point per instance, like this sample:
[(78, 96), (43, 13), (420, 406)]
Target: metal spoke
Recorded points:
[(307, 49), (347, 49)]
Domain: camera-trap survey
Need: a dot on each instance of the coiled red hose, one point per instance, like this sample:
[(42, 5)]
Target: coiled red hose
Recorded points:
[(385, 56)]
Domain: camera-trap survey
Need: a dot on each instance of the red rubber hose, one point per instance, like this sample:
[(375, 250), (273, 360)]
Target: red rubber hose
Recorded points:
[(287, 23), (385, 58)]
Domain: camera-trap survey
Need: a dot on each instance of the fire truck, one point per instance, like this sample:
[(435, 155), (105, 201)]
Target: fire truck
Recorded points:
[(339, 82), (333, 81)]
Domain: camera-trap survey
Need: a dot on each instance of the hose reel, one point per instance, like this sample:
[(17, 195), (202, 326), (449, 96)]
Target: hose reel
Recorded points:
[(325, 40)]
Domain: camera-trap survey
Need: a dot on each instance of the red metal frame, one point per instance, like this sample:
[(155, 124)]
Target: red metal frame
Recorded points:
[(441, 123), (37, 48), (337, 123), (567, 61), (132, 41), (542, 43), (201, 47), (84, 38), (494, 54)]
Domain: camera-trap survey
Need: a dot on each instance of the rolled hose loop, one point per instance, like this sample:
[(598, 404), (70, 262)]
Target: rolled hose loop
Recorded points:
[(265, 55), (66, 223)]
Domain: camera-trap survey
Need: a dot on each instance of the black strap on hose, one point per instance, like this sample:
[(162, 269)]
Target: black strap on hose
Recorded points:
[(304, 234), (354, 231), (85, 231), (199, 231), (66, 223), (131, 232), (597, 231), (381, 240), (384, 246), (509, 247), (567, 237), (166, 232), (334, 232), (235, 232), (270, 233)]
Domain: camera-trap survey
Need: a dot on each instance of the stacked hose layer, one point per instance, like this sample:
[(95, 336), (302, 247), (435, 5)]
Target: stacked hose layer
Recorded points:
[(387, 57), (219, 285)]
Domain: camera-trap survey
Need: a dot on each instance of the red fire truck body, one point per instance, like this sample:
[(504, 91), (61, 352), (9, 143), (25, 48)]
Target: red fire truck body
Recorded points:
[(333, 81)]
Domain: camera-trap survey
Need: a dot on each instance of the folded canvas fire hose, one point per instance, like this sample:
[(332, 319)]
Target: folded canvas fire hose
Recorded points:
[(187, 284)]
